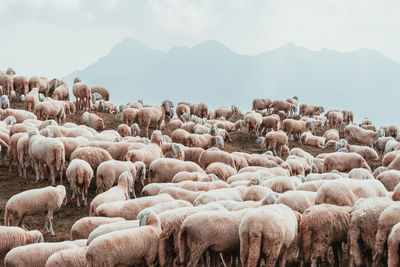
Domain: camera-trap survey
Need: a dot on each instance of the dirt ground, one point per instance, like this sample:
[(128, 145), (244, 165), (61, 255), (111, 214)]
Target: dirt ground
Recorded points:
[(64, 218)]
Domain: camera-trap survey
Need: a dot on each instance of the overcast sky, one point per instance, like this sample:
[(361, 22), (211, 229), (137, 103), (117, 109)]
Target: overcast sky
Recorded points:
[(55, 37)]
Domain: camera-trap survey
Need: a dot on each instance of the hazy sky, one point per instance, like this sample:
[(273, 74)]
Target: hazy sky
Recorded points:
[(55, 37)]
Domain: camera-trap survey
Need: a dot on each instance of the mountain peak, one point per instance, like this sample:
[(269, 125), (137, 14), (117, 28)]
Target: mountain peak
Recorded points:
[(211, 45)]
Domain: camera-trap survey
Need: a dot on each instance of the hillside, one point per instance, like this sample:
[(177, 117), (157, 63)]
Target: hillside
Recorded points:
[(213, 73)]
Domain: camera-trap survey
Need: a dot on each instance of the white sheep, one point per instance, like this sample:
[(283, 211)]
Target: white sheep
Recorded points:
[(34, 201), (84, 226), (112, 227), (45, 151), (12, 237), (109, 171), (79, 174), (128, 247), (116, 193), (36, 255), (71, 257)]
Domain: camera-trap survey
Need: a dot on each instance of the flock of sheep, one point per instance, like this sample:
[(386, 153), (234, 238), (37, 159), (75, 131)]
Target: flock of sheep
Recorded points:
[(198, 203)]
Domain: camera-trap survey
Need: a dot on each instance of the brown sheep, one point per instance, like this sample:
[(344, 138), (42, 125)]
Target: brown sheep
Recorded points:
[(294, 127), (164, 169), (393, 246), (268, 123), (92, 120), (367, 137), (345, 192), (212, 155), (105, 94), (201, 110), (261, 104), (153, 115), (221, 170), (281, 105), (252, 122), (388, 218), (130, 116), (82, 94), (321, 227), (364, 151), (267, 231), (21, 86), (274, 141), (92, 155), (390, 179), (344, 162), (363, 227)]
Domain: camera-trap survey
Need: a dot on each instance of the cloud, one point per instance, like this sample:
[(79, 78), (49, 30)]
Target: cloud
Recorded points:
[(54, 37)]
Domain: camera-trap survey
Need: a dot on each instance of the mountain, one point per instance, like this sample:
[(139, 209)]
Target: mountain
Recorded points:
[(363, 80)]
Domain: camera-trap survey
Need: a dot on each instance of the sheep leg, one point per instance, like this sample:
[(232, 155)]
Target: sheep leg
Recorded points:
[(336, 253), (195, 253), (85, 194), (52, 175), (36, 167), (283, 256), (50, 217)]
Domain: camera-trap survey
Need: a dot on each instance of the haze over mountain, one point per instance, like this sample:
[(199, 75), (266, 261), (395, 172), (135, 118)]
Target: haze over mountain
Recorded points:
[(363, 80)]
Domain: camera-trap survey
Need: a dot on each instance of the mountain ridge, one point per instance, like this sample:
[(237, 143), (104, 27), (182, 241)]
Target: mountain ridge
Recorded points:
[(211, 72)]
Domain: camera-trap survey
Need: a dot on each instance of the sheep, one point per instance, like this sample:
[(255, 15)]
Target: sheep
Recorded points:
[(381, 142), (61, 93), (201, 186), (45, 151), (71, 144), (335, 119), (391, 130), (148, 153), (36, 255), (331, 134), (112, 227), (119, 192), (171, 224), (390, 146), (294, 127), (18, 114), (256, 193), (79, 175), (92, 120), (363, 227), (12, 237), (180, 193), (82, 93), (345, 192), (393, 246), (252, 121), (92, 155), (204, 141), (164, 169), (360, 173), (129, 209), (312, 186), (124, 130), (309, 139), (117, 247), (35, 201), (20, 84), (215, 155), (296, 200), (84, 226), (344, 162), (225, 112), (201, 110), (221, 170), (155, 114), (387, 219), (261, 104), (182, 109), (352, 132), (275, 141), (109, 171), (281, 105), (389, 179), (51, 109), (364, 151), (213, 234), (71, 257), (217, 195), (322, 226), (130, 115), (275, 225)]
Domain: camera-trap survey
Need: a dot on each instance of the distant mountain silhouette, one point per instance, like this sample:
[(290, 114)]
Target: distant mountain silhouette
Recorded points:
[(363, 80)]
